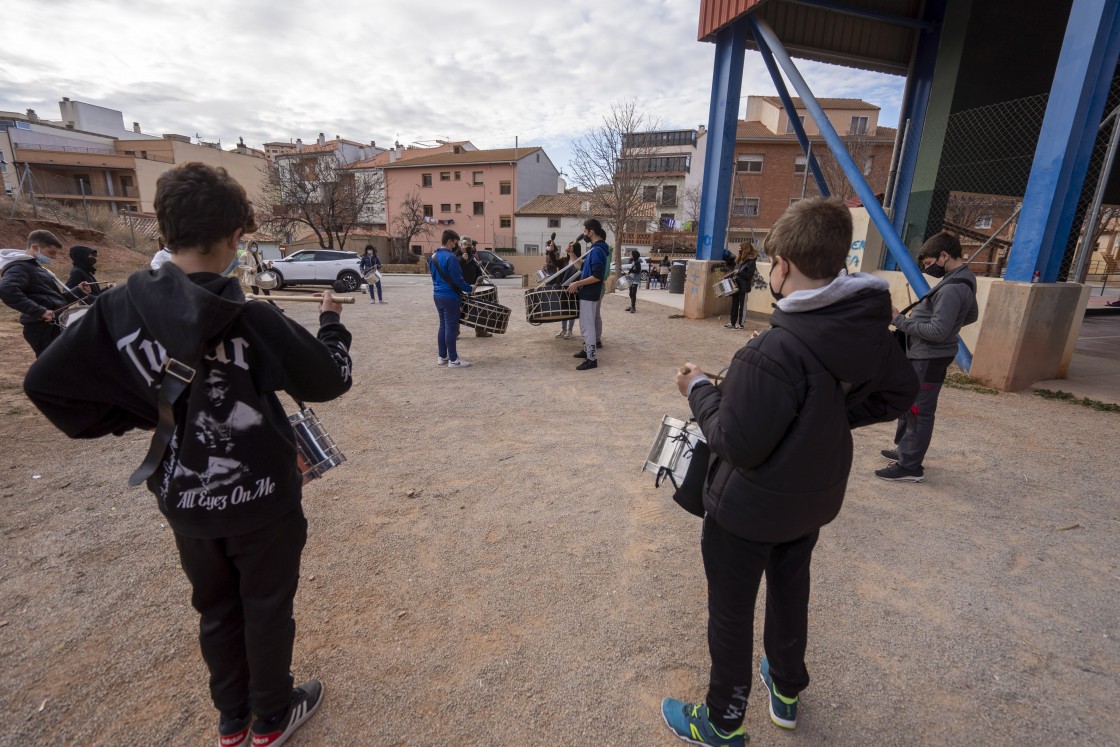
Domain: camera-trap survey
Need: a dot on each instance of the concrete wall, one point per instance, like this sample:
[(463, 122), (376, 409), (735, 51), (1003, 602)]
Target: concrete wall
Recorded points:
[(536, 175)]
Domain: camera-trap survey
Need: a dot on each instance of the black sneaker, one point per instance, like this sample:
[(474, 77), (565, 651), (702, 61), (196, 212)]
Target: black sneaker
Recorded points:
[(598, 343), (580, 354), (891, 454), (587, 364), (234, 732), (897, 473), (305, 701)]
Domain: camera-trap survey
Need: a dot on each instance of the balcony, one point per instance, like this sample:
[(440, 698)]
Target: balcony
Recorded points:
[(42, 155)]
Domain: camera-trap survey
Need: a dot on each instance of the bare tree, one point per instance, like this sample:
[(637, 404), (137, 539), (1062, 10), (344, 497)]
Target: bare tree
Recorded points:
[(692, 198), (408, 223), (614, 162), (860, 147), (965, 209), (320, 193)]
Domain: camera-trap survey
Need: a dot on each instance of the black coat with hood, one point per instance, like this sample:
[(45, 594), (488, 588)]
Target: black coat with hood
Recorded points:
[(84, 266), (231, 465), (29, 288), (779, 426)]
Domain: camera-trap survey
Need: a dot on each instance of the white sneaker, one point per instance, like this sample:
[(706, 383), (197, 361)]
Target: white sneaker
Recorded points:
[(441, 361), (560, 335), (460, 363), (568, 335)]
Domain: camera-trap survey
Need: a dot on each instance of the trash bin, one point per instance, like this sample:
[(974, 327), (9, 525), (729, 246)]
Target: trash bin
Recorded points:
[(676, 278)]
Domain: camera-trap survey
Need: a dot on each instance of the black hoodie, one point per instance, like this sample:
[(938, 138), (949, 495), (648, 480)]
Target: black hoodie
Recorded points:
[(779, 426), (231, 465), (84, 265)]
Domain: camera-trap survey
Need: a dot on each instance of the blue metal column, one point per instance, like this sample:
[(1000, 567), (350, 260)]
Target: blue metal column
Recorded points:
[(791, 112), (919, 83), (1077, 97), (723, 121), (764, 36)]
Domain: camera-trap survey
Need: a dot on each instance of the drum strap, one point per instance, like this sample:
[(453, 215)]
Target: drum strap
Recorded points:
[(177, 378)]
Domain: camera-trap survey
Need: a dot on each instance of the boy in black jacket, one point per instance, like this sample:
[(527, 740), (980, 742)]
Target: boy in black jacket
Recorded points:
[(34, 291), (779, 429), (226, 475)]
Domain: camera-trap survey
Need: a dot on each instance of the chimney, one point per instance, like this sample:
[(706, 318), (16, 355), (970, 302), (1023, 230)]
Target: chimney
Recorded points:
[(136, 127), (32, 116), (322, 139), (299, 144), (65, 98), (338, 137), (373, 143)]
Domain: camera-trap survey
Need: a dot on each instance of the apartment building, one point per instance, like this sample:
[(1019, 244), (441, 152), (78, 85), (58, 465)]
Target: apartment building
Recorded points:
[(672, 166), (770, 167), (477, 192)]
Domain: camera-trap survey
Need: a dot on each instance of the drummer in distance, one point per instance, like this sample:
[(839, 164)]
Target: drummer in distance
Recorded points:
[(447, 285)]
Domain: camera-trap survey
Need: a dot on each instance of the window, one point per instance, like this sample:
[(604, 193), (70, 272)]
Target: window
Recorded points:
[(458, 207), (585, 206), (649, 194), (669, 196), (745, 206), (425, 180), (458, 175), (789, 124), (658, 139), (858, 126), (750, 163), (984, 221), (427, 211), (505, 221), (504, 188), (445, 176), (445, 207), (478, 208), (476, 177), (867, 165), (553, 222), (532, 248), (799, 165)]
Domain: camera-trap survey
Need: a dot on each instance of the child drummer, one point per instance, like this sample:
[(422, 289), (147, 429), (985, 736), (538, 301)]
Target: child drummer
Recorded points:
[(223, 460)]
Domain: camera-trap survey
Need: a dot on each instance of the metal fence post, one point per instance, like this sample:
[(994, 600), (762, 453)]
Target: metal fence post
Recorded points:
[(85, 206)]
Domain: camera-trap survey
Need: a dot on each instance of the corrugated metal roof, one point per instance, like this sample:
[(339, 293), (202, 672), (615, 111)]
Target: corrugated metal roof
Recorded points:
[(825, 35)]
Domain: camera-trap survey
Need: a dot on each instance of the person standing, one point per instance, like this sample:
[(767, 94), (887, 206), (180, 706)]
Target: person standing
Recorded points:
[(472, 271), (569, 274), (84, 259), (160, 258), (181, 351), (447, 288), (742, 275), (635, 274), (34, 291), (370, 267), (590, 289), (665, 267), (931, 345), (779, 430), (551, 258)]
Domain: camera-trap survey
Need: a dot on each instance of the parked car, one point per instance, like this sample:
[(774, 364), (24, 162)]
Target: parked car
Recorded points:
[(626, 268), (318, 267), (494, 265)]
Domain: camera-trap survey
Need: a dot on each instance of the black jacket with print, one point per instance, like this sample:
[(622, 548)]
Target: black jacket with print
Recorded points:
[(231, 465)]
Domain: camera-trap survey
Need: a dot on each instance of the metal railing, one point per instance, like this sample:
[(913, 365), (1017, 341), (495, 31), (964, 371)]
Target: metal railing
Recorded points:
[(64, 148)]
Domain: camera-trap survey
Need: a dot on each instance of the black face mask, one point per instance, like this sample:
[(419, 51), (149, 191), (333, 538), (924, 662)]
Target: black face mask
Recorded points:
[(935, 271), (777, 294)]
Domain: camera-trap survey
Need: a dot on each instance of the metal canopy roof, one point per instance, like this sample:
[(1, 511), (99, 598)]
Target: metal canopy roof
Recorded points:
[(874, 35)]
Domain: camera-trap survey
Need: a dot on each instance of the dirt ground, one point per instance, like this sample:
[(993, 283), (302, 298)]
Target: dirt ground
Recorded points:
[(490, 566)]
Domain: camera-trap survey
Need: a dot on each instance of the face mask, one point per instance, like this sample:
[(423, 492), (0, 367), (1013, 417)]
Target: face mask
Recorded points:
[(777, 294), (232, 266), (935, 271), (45, 260)]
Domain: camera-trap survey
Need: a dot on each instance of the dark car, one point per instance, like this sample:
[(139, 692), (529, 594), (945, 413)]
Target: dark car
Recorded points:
[(494, 265)]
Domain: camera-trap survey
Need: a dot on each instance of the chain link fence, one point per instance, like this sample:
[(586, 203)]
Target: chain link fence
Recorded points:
[(985, 164)]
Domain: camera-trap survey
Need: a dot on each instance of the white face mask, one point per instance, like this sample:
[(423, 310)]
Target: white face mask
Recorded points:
[(45, 260), (232, 266)]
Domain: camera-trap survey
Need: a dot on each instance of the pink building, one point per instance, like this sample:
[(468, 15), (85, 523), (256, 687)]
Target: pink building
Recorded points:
[(474, 192)]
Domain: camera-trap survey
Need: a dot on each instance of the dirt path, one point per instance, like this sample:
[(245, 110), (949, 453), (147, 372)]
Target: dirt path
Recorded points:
[(489, 567)]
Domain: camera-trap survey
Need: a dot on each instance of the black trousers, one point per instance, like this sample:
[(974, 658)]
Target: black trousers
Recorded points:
[(738, 307), (734, 567), (243, 587), (915, 427), (39, 335), (634, 291)]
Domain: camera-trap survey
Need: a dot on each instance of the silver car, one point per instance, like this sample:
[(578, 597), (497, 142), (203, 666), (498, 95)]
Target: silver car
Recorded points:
[(319, 267)]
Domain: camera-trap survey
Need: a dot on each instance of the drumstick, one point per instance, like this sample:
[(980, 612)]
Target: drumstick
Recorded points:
[(316, 299), (685, 369)]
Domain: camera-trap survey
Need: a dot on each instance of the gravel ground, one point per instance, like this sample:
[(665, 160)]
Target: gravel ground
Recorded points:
[(490, 566)]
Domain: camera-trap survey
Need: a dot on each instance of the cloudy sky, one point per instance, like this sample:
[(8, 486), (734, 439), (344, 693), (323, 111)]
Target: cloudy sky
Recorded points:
[(488, 71)]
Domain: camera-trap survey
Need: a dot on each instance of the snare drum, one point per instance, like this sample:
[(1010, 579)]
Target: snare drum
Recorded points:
[(484, 315), (671, 452), (69, 317), (542, 274), (487, 293), (550, 305), (623, 283), (726, 287), (316, 451)]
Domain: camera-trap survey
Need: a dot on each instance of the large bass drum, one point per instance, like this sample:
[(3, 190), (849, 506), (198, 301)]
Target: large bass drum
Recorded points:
[(487, 293), (550, 305), (483, 315)]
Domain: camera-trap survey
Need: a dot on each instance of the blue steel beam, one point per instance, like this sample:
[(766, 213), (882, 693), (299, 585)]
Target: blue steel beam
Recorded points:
[(723, 122), (794, 120), (1077, 98), (764, 35)]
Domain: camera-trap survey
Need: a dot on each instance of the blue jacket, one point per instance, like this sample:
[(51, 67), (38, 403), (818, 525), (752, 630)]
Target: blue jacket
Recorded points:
[(598, 258), (450, 266)]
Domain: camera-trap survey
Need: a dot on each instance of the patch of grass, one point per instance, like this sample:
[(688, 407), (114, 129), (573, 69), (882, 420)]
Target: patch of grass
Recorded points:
[(1094, 404), (958, 380)]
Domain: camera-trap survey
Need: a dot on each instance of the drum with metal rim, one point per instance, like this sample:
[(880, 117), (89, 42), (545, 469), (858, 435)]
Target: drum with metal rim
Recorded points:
[(487, 293), (69, 317), (672, 448), (550, 305), (316, 451), (726, 287), (484, 315)]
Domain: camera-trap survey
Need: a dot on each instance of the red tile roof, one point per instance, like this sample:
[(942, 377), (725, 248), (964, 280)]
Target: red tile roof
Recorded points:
[(468, 157), (825, 103)]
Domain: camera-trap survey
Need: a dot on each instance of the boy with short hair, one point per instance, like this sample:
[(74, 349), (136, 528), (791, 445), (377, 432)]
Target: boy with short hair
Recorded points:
[(34, 291), (779, 429), (223, 461)]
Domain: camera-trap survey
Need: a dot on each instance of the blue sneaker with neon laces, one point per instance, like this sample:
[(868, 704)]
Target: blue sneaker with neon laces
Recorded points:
[(783, 710), (690, 722)]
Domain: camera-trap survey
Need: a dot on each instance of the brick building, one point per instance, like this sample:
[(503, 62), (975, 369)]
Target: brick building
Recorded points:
[(770, 168)]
